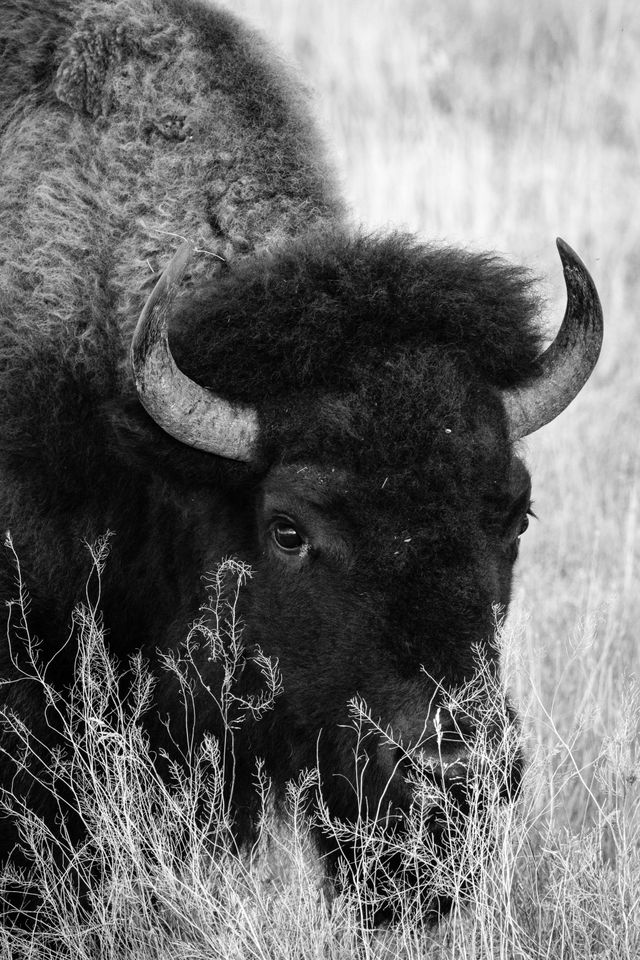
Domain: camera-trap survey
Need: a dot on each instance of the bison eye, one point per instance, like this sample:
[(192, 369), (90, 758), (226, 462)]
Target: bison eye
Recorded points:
[(287, 537), (524, 523)]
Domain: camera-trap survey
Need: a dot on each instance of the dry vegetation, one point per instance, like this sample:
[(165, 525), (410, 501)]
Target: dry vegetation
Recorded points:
[(497, 125)]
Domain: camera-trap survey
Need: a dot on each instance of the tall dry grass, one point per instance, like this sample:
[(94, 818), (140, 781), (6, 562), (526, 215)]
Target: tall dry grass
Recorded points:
[(158, 872), (498, 125)]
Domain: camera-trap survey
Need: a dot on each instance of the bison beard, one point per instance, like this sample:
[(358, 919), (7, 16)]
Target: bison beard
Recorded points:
[(337, 409)]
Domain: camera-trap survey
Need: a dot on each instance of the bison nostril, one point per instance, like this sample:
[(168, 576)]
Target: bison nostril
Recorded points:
[(446, 736), (449, 761)]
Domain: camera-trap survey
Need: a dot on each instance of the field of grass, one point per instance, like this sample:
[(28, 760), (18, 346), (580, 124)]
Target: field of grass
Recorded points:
[(500, 125)]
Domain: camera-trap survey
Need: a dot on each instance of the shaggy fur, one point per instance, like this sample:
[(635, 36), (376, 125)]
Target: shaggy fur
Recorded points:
[(375, 363)]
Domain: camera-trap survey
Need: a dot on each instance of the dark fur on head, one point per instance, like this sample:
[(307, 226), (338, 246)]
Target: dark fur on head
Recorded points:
[(339, 310), (325, 312)]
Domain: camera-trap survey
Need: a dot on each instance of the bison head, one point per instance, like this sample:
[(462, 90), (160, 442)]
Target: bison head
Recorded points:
[(374, 389)]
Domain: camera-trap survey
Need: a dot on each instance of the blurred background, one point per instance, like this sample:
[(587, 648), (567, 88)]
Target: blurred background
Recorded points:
[(499, 125)]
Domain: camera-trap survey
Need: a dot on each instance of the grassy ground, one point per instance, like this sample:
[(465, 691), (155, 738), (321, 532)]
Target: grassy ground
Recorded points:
[(499, 125)]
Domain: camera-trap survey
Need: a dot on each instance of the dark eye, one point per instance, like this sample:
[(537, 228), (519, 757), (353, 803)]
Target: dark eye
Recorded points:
[(524, 525), (287, 537)]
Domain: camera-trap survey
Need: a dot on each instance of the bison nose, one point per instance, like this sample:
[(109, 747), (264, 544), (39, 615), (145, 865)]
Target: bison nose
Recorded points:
[(446, 738), (454, 753), (444, 750), (441, 745)]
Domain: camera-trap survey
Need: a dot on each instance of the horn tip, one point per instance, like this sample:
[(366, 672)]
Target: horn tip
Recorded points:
[(566, 252), (568, 255)]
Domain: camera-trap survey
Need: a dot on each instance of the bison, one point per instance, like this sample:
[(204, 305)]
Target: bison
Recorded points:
[(338, 408)]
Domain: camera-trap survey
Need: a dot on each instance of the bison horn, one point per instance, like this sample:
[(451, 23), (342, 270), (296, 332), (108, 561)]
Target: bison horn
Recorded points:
[(187, 411), (564, 368)]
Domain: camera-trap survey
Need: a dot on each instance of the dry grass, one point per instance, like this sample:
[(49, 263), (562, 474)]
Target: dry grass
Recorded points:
[(158, 873), (495, 125)]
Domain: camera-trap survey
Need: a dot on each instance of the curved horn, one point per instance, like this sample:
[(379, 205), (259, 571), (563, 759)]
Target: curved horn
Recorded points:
[(187, 411), (564, 368)]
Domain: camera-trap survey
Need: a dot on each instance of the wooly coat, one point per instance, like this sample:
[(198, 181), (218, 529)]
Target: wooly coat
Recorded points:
[(382, 506)]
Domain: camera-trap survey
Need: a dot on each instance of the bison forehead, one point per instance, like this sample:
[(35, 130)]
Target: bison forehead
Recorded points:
[(393, 491), (318, 312), (415, 422)]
